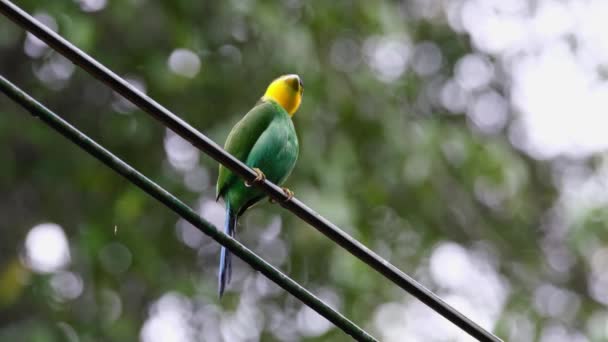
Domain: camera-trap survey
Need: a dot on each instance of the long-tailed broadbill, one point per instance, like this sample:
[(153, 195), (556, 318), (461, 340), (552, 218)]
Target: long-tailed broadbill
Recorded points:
[(265, 140)]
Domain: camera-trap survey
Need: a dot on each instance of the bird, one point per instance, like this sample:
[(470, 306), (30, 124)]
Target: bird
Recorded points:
[(265, 140)]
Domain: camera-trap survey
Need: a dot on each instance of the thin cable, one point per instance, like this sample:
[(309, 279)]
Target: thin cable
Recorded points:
[(209, 147), (91, 147)]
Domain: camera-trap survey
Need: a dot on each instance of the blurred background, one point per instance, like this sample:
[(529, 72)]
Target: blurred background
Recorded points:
[(464, 140)]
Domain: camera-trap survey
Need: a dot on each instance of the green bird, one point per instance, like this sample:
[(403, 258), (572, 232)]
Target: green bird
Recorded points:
[(266, 141)]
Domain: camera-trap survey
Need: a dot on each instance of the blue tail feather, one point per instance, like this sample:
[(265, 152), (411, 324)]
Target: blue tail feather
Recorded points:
[(225, 270)]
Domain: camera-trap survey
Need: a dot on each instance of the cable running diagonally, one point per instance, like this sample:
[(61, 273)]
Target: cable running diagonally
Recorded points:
[(91, 147)]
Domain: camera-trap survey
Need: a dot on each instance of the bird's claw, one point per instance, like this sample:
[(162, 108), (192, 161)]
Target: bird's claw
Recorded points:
[(287, 192), (260, 176)]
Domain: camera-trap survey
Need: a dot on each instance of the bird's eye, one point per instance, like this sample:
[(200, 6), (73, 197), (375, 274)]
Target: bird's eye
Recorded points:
[(301, 83)]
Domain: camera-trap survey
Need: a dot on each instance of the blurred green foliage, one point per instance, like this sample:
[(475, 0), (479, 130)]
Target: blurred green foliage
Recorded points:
[(380, 157)]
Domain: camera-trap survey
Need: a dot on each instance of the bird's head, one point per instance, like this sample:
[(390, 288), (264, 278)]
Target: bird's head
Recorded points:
[(287, 91)]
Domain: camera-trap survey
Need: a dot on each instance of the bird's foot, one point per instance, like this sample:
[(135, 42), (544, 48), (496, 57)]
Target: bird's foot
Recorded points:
[(287, 192), (260, 177)]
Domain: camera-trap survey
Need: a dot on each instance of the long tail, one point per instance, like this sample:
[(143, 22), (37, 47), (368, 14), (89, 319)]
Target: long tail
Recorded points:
[(225, 270)]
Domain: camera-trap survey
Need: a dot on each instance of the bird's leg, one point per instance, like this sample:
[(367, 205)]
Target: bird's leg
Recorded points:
[(259, 178), (287, 192)]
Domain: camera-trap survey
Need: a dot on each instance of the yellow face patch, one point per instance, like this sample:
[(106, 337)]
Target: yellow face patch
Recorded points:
[(286, 91)]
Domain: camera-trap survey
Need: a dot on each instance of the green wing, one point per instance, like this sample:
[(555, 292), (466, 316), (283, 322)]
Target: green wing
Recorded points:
[(242, 138)]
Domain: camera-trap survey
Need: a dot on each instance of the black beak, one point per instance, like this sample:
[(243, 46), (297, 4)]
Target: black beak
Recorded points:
[(295, 83)]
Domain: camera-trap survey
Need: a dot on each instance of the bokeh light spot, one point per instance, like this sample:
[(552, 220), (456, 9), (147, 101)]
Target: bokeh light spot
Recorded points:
[(66, 285), (92, 5), (33, 46), (115, 258), (168, 320), (46, 248), (184, 62), (182, 155), (388, 57)]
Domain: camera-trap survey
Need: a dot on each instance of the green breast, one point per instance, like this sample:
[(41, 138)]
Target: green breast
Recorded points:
[(265, 138)]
